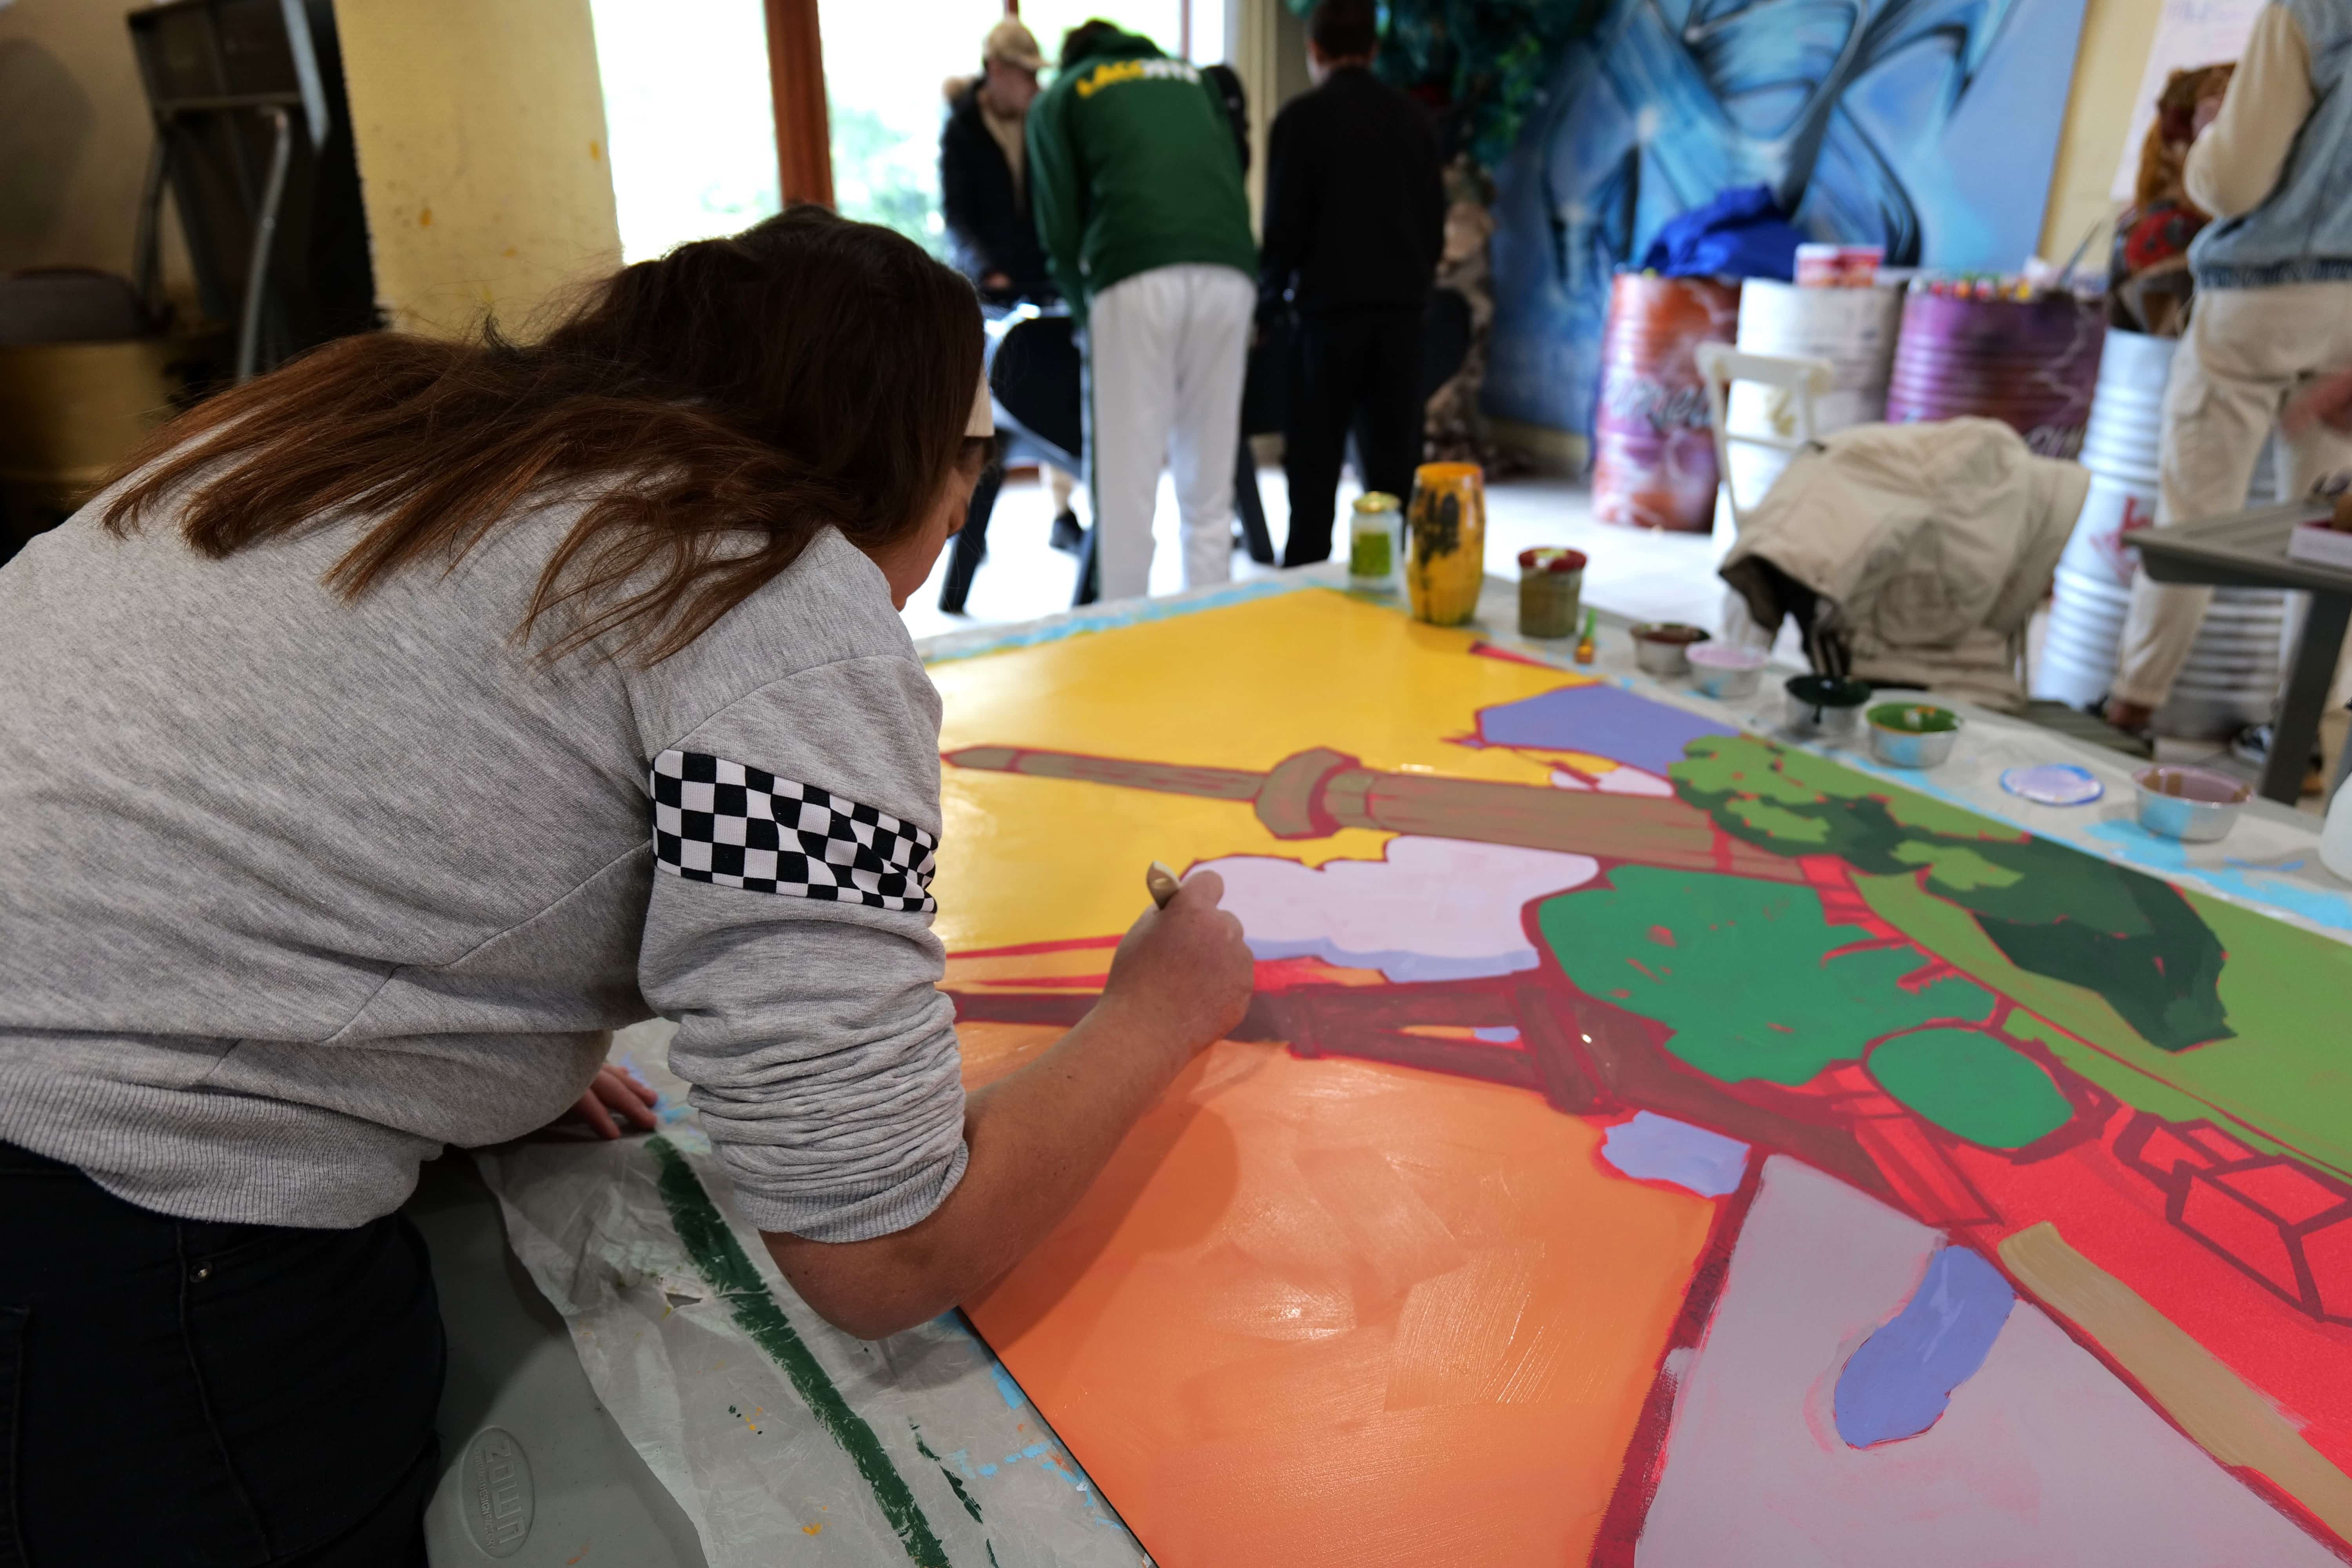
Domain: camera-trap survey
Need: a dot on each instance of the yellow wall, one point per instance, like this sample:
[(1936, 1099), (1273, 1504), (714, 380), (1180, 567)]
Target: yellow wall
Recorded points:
[(74, 140), (481, 131), (2116, 38)]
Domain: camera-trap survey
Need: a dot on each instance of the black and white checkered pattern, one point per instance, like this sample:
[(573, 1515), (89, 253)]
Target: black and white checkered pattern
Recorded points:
[(717, 821)]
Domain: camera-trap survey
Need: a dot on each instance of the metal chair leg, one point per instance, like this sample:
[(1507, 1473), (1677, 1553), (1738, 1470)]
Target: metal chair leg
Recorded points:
[(971, 543)]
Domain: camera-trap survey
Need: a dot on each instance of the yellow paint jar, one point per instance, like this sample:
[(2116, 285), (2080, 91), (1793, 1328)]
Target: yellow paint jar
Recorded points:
[(1446, 558)]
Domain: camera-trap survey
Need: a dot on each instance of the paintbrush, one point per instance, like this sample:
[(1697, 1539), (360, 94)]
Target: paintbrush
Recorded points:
[(1161, 881)]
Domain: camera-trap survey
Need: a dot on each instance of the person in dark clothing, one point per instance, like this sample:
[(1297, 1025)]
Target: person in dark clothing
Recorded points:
[(984, 170), (985, 197), (1355, 219)]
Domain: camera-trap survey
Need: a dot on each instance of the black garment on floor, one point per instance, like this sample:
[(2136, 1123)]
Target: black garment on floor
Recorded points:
[(1351, 371), (989, 229), (175, 1392)]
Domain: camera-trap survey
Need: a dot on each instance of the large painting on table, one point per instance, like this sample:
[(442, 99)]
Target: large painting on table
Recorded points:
[(1649, 1145)]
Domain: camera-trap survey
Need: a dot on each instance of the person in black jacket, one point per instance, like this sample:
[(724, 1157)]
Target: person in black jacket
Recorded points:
[(985, 197), (1355, 219), (984, 170)]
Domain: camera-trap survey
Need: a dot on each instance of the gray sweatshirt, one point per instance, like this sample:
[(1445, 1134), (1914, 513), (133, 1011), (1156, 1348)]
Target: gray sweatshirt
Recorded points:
[(294, 892)]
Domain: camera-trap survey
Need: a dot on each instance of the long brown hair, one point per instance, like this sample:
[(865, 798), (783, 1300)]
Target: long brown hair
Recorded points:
[(737, 392)]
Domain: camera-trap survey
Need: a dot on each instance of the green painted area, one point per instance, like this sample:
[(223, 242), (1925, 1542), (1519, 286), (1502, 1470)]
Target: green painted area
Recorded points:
[(2287, 1071), (1954, 865), (719, 1258), (1742, 972), (2052, 909), (1971, 1084)]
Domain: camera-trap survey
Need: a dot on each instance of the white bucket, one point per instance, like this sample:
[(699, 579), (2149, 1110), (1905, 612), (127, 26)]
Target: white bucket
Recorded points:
[(1854, 329), (2231, 674)]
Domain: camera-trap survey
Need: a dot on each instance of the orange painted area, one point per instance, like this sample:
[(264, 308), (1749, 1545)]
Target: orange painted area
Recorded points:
[(1331, 1311)]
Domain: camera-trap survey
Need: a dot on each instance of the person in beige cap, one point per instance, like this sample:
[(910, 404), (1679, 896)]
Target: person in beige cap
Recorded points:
[(985, 196)]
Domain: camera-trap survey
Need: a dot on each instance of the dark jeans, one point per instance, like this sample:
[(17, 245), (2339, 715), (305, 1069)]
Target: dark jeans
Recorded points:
[(1350, 370), (174, 1392)]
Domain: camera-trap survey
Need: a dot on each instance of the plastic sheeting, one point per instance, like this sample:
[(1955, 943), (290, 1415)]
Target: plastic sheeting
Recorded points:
[(929, 1453)]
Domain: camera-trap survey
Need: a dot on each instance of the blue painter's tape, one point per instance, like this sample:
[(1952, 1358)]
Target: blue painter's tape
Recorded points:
[(2168, 856), (1123, 612), (1900, 1382)]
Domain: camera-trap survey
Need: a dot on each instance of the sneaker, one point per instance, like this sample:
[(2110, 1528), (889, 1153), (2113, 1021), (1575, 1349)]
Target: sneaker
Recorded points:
[(1068, 536)]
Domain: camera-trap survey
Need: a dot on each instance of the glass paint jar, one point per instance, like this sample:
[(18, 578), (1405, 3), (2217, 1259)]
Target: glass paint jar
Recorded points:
[(1375, 541), (1551, 590), (1445, 557)]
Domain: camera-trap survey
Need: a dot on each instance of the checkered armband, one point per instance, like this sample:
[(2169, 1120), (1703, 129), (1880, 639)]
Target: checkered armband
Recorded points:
[(717, 821)]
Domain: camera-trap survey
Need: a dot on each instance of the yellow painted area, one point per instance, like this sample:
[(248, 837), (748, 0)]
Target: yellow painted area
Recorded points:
[(480, 126), (1029, 859), (2117, 35)]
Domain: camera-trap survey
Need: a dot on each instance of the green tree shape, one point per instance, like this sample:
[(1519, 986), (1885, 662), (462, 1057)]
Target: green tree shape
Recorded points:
[(2052, 910), (1751, 976)]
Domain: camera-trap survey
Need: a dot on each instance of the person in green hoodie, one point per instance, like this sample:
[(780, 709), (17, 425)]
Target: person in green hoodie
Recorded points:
[(1136, 190)]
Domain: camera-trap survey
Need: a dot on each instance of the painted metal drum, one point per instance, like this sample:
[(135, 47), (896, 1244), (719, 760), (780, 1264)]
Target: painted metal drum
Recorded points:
[(1446, 558), (1653, 438), (2031, 364)]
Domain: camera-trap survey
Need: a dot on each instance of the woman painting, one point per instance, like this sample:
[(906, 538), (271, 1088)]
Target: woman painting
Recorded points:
[(398, 726)]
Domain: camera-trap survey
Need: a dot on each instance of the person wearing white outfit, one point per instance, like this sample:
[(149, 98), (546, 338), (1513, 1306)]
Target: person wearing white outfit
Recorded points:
[(2272, 311), (1167, 351), (1137, 188)]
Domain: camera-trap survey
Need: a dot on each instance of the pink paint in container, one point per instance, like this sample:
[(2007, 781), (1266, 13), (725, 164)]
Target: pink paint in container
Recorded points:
[(1726, 670)]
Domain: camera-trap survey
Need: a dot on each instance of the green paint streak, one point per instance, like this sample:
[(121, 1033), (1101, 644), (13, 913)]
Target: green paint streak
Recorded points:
[(954, 1483), (1750, 986), (720, 1259), (2053, 909), (1969, 1084)]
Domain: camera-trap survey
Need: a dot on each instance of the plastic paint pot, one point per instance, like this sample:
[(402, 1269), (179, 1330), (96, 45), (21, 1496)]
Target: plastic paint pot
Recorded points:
[(2193, 804), (1552, 586), (1823, 705), (1913, 734), (1375, 541), (1662, 647), (1726, 670)]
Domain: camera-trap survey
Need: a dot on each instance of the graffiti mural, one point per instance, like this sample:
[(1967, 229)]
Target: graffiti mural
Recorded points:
[(1928, 126)]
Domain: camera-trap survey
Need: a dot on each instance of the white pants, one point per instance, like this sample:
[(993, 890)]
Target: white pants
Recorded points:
[(1166, 352), (2248, 350)]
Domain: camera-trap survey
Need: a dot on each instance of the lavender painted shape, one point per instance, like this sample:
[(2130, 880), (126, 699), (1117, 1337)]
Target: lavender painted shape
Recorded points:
[(1606, 721), (1654, 1148), (1900, 1382)]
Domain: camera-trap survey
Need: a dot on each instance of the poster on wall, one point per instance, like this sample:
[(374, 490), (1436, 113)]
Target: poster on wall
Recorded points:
[(1928, 126)]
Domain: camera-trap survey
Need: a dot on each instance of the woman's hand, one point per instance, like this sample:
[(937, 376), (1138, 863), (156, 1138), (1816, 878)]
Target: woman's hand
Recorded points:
[(1183, 971), (621, 1091)]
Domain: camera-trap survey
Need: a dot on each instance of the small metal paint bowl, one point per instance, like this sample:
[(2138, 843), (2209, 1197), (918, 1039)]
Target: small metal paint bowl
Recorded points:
[(1725, 669), (2194, 803), (1912, 735), (1662, 647), (1823, 705)]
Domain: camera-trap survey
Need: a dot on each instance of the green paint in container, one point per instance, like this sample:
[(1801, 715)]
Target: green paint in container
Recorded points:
[(1374, 536)]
